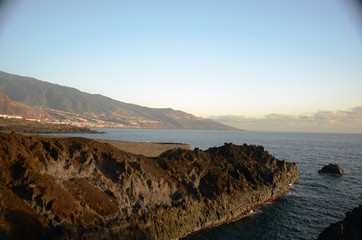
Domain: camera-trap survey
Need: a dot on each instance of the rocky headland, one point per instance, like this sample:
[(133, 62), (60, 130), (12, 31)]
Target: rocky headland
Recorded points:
[(76, 188)]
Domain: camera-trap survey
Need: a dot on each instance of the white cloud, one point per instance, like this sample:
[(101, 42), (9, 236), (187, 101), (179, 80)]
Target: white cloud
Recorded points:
[(322, 121)]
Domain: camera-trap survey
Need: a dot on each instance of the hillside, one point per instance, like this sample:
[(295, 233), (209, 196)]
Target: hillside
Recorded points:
[(11, 107), (64, 103)]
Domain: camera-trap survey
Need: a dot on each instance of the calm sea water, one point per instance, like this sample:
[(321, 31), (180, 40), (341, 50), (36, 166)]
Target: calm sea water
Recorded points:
[(311, 205)]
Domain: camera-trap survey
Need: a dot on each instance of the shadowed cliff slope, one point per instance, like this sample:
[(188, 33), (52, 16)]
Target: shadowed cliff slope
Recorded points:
[(350, 228), (75, 188)]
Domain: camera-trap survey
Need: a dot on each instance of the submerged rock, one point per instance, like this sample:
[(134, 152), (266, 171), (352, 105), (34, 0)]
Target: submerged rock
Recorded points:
[(332, 169), (350, 228), (72, 188)]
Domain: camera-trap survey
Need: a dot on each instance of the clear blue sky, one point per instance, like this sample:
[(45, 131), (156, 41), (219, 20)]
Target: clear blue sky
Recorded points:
[(225, 57)]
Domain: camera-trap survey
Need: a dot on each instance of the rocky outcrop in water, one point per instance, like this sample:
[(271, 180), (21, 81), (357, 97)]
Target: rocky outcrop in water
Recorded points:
[(332, 169), (350, 228), (75, 188)]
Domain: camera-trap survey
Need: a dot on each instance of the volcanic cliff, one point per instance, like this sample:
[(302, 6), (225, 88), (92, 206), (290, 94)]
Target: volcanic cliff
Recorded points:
[(76, 188), (350, 228)]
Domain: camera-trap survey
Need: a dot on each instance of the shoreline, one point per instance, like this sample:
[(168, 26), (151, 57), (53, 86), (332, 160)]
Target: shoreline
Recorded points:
[(148, 149), (34, 127), (77, 185), (238, 216)]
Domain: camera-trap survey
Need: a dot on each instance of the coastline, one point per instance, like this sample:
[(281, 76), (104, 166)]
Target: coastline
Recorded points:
[(34, 127), (236, 217), (133, 196), (148, 149), (240, 214)]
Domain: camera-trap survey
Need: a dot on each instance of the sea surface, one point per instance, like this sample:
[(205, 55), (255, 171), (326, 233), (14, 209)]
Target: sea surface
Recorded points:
[(313, 203)]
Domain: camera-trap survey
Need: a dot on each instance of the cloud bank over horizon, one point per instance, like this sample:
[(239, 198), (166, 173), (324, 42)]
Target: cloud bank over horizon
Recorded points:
[(348, 121)]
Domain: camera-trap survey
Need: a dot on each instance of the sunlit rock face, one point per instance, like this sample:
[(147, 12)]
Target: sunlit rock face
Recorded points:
[(80, 188)]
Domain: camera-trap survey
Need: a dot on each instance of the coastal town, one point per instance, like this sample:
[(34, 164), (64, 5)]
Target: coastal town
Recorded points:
[(90, 120), (94, 120)]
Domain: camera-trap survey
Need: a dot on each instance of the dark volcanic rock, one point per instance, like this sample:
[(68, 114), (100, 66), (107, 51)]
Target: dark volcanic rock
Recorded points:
[(75, 188), (332, 169), (350, 228)]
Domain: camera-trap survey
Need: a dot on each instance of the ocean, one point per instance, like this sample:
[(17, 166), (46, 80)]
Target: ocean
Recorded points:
[(313, 203)]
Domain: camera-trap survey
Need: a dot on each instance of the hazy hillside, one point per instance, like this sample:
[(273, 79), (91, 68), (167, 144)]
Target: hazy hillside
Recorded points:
[(34, 92), (96, 108)]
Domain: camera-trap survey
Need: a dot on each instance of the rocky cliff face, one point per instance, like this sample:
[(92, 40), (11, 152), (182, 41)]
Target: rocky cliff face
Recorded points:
[(350, 228), (70, 188)]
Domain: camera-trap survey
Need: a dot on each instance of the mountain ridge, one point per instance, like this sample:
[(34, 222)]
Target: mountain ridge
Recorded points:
[(64, 103)]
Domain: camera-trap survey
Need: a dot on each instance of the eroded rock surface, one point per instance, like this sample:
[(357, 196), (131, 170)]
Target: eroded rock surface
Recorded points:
[(76, 188)]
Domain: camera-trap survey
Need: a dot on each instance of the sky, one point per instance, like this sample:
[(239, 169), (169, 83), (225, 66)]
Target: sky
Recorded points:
[(210, 58)]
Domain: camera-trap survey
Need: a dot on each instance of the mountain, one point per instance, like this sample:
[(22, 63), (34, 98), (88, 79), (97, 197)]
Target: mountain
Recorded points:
[(70, 105)]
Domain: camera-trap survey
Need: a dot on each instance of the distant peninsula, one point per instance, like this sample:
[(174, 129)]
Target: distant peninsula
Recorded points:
[(52, 103)]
